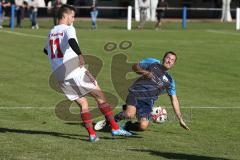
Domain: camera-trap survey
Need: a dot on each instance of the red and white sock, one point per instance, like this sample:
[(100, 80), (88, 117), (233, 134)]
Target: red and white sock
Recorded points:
[(106, 109), (86, 118)]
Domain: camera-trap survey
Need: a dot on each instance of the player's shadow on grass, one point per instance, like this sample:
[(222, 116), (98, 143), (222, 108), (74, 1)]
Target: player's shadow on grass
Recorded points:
[(55, 134), (180, 156), (36, 132), (106, 129)]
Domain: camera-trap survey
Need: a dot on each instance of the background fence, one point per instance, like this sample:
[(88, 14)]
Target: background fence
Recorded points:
[(121, 12)]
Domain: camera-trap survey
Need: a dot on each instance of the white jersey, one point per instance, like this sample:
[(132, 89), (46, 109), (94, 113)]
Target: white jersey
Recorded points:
[(59, 51), (34, 5)]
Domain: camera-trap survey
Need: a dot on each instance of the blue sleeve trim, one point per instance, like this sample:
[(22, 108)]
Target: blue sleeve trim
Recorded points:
[(172, 90), (145, 63)]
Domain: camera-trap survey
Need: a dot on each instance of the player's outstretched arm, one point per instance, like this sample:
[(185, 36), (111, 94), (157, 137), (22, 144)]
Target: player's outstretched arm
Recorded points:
[(177, 111), (81, 60), (136, 68)]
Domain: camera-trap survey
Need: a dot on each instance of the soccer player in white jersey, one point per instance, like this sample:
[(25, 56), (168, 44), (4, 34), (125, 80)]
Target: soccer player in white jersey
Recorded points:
[(76, 82)]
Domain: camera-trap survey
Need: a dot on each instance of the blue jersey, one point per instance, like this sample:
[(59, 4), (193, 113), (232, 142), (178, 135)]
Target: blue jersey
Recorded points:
[(161, 83)]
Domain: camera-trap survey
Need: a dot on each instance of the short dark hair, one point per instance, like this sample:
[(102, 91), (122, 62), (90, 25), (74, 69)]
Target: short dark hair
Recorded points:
[(65, 9), (169, 52)]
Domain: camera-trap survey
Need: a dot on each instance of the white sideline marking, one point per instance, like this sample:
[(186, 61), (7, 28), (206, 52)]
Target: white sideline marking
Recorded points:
[(50, 108), (23, 34), (9, 108), (223, 32), (42, 37)]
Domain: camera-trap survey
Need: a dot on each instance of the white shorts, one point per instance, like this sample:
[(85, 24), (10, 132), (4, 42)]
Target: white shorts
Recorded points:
[(80, 84)]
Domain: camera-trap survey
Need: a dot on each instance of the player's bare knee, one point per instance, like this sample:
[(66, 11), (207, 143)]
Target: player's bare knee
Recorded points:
[(143, 125), (82, 103)]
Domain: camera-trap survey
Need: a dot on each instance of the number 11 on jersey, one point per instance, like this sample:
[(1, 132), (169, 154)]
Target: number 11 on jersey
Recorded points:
[(55, 42)]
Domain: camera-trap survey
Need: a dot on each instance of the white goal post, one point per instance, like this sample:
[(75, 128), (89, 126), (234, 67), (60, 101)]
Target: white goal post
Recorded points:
[(238, 19), (129, 18)]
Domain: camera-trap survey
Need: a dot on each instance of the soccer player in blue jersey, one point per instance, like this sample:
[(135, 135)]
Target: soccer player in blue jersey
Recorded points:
[(143, 93)]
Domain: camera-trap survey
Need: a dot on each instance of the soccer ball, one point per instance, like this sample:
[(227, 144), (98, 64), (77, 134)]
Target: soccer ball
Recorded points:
[(159, 114)]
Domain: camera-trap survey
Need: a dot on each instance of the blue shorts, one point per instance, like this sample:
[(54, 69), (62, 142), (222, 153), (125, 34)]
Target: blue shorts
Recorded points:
[(143, 104)]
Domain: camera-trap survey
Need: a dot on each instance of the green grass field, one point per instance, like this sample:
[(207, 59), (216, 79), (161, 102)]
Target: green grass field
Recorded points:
[(206, 73)]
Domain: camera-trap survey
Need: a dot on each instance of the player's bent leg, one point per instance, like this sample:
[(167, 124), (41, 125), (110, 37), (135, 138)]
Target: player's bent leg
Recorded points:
[(86, 118), (106, 110), (118, 117), (104, 107), (130, 110)]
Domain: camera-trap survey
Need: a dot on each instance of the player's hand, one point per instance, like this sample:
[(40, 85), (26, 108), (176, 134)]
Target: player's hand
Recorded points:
[(81, 60), (183, 124), (147, 74)]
